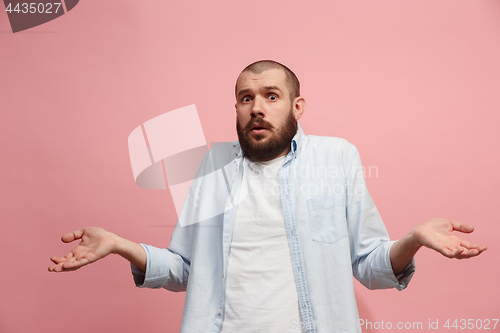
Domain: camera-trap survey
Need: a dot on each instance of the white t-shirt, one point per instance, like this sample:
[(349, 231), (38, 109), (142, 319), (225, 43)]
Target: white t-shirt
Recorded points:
[(260, 289)]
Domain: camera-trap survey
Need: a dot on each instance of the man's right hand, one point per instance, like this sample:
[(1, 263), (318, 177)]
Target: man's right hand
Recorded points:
[(95, 243)]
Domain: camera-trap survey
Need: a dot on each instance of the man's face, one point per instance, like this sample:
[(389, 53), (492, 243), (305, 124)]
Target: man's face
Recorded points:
[(266, 117)]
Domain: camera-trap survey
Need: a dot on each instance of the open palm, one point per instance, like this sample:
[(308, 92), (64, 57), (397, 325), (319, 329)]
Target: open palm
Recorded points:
[(95, 243), (439, 234)]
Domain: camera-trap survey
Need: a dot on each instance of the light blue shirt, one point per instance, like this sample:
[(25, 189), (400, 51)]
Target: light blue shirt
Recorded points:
[(333, 227)]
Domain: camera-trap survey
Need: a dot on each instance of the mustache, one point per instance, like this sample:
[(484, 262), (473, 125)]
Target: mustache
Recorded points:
[(258, 120)]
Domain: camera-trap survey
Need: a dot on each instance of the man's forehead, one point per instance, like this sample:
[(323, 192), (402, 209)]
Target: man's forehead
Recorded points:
[(270, 77)]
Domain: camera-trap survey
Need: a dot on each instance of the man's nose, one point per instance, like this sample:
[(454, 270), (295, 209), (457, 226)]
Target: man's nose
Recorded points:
[(258, 107)]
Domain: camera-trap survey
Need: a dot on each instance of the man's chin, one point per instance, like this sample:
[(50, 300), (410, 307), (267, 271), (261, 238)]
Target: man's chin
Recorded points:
[(257, 138)]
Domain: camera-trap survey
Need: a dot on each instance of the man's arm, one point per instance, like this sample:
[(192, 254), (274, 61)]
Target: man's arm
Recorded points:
[(95, 244), (437, 234)]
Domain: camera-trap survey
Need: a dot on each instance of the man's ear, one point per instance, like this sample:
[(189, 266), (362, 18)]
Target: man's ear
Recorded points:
[(299, 106)]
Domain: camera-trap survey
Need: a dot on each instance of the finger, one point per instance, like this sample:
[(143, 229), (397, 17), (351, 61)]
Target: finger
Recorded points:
[(75, 264), (70, 260), (69, 256), (57, 260), (482, 248), (458, 252), (55, 268), (70, 269), (476, 251), (469, 253), (470, 246), (448, 253), (71, 236), (462, 227), (60, 268), (52, 268)]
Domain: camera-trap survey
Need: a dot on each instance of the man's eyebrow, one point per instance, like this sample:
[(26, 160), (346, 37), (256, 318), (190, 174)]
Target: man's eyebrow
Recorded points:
[(244, 91), (272, 88)]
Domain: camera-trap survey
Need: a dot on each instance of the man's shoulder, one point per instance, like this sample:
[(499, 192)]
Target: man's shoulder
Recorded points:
[(329, 142), (224, 148), (329, 149), (220, 154)]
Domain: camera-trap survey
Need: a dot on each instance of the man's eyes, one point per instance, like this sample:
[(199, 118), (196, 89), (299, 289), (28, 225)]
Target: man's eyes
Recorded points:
[(271, 97)]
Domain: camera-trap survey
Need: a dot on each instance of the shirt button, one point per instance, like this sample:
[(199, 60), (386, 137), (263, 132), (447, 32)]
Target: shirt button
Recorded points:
[(219, 311)]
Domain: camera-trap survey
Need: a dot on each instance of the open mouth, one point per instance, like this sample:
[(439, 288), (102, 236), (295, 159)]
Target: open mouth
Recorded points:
[(258, 129)]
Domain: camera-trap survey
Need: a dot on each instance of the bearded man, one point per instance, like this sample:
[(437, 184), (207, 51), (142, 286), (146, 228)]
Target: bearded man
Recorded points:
[(279, 251)]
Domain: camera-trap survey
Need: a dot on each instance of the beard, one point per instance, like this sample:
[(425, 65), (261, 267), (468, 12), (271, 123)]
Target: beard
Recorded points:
[(257, 147)]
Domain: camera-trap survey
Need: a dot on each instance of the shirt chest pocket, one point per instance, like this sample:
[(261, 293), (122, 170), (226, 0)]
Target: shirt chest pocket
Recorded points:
[(327, 218)]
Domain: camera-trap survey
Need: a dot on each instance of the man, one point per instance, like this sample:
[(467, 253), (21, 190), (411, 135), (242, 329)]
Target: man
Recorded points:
[(297, 224)]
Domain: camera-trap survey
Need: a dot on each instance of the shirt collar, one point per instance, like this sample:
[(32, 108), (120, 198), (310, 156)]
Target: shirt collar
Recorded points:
[(297, 141)]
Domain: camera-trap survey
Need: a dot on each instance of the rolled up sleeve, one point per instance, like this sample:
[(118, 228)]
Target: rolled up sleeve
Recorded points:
[(164, 269)]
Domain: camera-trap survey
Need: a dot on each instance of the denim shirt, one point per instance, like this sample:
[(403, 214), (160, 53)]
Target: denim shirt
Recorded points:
[(333, 227)]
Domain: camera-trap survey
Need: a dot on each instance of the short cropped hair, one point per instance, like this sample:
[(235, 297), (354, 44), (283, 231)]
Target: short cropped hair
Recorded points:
[(260, 66)]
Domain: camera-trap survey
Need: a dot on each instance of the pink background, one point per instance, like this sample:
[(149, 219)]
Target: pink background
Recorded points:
[(414, 84)]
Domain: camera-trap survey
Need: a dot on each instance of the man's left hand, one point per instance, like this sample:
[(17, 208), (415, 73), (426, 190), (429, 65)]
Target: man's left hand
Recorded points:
[(439, 234)]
